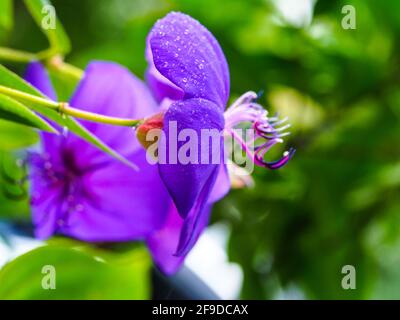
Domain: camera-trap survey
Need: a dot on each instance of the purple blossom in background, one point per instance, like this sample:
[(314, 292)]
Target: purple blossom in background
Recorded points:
[(79, 191)]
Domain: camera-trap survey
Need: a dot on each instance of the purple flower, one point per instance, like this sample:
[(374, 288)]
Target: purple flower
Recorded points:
[(188, 69), (79, 191)]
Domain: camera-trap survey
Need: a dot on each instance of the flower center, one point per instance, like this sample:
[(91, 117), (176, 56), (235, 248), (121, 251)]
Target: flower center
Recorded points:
[(265, 131), (60, 184)]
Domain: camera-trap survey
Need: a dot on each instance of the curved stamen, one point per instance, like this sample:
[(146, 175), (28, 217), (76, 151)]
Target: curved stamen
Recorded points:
[(287, 155), (244, 98), (272, 130)]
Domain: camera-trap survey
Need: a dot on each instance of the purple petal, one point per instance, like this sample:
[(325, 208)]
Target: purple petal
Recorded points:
[(44, 197), (186, 181), (188, 55), (37, 76), (119, 204), (196, 221), (222, 185), (164, 242), (110, 89), (44, 202), (80, 191), (160, 86)]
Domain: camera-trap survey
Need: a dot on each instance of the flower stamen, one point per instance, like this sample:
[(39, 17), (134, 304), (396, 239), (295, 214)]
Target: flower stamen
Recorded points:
[(267, 131)]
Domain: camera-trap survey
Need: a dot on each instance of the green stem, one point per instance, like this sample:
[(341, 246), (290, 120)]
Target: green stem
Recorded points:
[(29, 97), (68, 69), (54, 62), (64, 108), (57, 63), (95, 117), (16, 55)]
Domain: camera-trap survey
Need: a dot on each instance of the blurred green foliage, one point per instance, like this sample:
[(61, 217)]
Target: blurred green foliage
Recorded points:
[(78, 274), (338, 200)]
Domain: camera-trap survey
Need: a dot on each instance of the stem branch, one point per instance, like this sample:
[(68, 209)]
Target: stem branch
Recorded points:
[(64, 108), (28, 97), (54, 62), (16, 55), (95, 117)]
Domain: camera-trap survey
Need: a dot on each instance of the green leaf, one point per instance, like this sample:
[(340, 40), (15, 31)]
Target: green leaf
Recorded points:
[(15, 111), (6, 14), (11, 80), (78, 275), (43, 12), (14, 136), (14, 204)]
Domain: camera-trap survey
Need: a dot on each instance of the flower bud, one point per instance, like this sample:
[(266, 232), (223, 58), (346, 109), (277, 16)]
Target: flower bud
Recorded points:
[(155, 122)]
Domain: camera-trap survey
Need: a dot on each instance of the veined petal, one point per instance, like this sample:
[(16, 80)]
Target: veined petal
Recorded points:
[(191, 158), (189, 56)]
